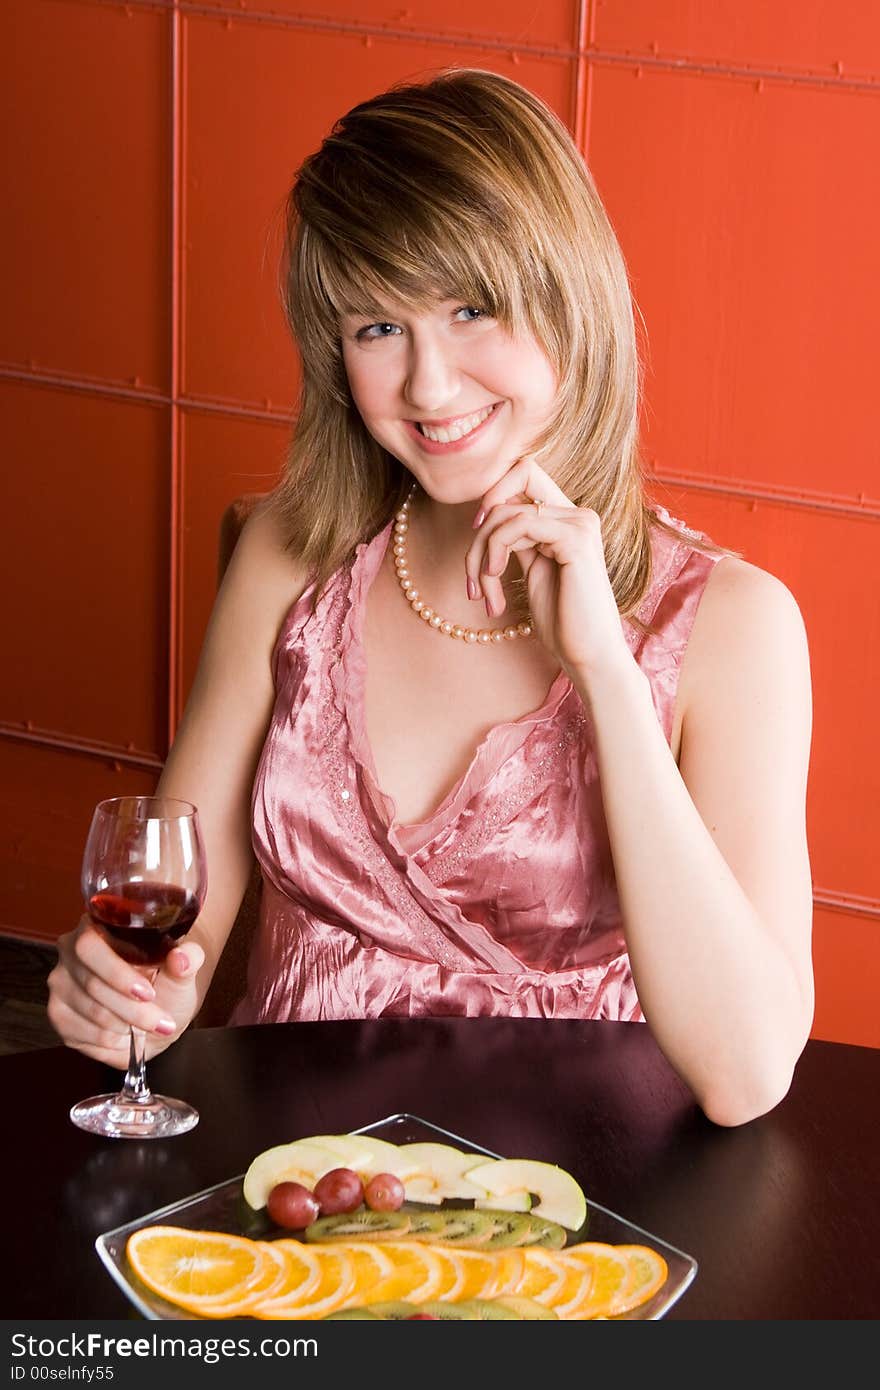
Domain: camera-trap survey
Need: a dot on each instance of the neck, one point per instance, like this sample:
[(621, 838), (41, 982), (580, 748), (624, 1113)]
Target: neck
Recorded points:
[(440, 535), (443, 532)]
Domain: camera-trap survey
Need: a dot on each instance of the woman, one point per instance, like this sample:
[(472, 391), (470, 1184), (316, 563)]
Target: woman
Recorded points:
[(504, 739)]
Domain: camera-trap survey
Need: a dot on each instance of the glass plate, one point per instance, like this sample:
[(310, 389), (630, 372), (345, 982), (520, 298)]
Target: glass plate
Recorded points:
[(222, 1208)]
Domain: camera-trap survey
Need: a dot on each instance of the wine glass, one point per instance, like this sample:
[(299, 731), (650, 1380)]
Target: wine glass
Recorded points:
[(143, 880)]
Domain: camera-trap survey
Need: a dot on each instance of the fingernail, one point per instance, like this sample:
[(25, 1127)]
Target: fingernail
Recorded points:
[(489, 607), (141, 990), (479, 519), (472, 588), (165, 1026)]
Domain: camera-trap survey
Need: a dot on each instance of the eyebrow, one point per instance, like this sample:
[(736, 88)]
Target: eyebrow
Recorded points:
[(364, 311), (374, 310)]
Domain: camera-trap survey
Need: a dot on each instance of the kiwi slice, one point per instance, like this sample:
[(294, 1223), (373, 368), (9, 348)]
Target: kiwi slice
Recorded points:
[(528, 1308), (509, 1228), (456, 1226), (487, 1229), (462, 1226), (362, 1224), (395, 1311), (469, 1310), (472, 1229), (433, 1225), (538, 1231), (358, 1313)]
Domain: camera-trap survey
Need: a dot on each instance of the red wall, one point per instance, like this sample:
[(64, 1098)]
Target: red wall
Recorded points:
[(147, 379)]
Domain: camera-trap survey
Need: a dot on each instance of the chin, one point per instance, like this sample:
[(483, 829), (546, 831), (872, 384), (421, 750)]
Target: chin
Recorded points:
[(459, 485), (451, 494)]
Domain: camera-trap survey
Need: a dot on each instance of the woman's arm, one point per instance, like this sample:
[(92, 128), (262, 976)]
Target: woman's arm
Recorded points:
[(212, 763), (711, 855), (218, 744)]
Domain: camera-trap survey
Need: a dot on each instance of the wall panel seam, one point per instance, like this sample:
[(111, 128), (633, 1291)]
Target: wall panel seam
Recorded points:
[(174, 655), (638, 60), (846, 903), (123, 755), (861, 507), (513, 45), (583, 86)]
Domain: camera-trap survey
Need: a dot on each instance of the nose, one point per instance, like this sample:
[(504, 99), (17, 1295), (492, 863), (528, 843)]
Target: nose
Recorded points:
[(432, 378)]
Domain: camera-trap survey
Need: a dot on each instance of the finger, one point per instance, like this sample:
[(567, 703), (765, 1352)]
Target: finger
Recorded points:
[(91, 956), (79, 1032), (101, 1007), (511, 530), (183, 963), (109, 1046), (475, 558), (528, 481), (551, 534)]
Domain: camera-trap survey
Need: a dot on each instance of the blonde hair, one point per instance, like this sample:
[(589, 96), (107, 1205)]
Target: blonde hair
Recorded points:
[(466, 186)]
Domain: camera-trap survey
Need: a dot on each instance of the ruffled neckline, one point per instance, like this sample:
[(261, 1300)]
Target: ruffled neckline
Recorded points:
[(499, 743)]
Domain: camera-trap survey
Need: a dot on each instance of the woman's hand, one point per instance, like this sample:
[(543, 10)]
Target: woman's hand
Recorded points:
[(94, 996), (559, 547)]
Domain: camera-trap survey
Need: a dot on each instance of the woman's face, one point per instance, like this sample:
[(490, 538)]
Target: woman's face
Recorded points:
[(449, 392)]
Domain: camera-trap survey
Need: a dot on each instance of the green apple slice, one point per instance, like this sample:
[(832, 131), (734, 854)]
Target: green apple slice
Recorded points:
[(383, 1157), (300, 1161), (560, 1198), (441, 1172), (518, 1199), (352, 1150)]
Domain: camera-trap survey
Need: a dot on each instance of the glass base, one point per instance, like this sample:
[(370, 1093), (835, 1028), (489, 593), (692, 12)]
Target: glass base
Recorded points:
[(118, 1116)]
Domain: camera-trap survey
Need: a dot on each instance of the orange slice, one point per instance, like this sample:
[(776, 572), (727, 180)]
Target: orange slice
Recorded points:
[(477, 1273), (543, 1276), (241, 1298), (193, 1268), (509, 1269), (610, 1270), (301, 1275), (371, 1264), (334, 1287), (454, 1274), (648, 1272), (575, 1288), (417, 1272)]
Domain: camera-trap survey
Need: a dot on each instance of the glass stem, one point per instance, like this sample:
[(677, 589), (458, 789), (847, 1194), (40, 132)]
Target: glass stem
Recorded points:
[(135, 1088)]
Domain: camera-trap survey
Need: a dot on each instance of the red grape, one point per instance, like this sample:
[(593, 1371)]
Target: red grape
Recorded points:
[(292, 1206), (339, 1190), (384, 1192)]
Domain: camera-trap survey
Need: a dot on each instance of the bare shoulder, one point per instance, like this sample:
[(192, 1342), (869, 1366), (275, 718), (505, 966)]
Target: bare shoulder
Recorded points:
[(263, 580), (748, 634), (262, 548), (264, 577)]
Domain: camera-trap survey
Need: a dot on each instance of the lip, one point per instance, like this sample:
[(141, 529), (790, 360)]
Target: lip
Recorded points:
[(430, 446)]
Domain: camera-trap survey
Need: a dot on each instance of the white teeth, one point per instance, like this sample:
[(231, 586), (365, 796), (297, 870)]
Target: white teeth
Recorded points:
[(459, 429)]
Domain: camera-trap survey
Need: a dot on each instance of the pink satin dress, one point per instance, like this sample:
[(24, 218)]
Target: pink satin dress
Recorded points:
[(502, 902)]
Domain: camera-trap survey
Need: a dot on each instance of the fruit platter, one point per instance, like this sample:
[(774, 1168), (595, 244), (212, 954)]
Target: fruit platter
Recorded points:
[(399, 1220)]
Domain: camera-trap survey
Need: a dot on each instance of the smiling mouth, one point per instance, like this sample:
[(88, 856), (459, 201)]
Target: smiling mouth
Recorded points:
[(455, 430)]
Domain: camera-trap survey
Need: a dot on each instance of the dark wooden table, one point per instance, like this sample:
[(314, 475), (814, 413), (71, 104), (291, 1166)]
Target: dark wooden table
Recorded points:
[(783, 1214)]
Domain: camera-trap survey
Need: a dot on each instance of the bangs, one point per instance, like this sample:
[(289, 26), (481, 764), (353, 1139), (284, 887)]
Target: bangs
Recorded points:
[(404, 213), (403, 267)]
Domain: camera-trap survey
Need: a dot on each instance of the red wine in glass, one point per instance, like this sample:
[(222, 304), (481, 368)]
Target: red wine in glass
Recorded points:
[(142, 921), (144, 880)]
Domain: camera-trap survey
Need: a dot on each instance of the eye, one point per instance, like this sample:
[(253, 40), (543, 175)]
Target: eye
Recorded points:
[(471, 313), (372, 331)]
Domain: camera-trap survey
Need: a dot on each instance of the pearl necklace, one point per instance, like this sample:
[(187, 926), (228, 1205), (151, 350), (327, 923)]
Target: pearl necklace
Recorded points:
[(485, 636)]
